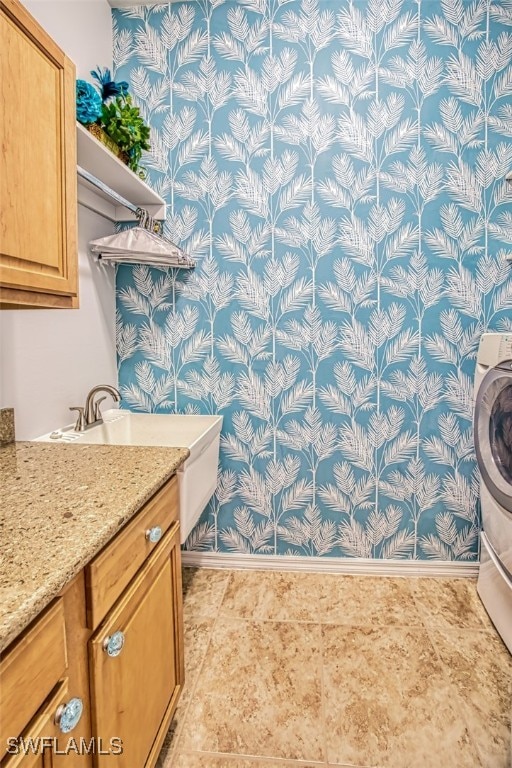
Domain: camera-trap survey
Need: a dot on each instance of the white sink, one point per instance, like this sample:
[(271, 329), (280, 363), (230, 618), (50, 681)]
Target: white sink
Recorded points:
[(197, 477)]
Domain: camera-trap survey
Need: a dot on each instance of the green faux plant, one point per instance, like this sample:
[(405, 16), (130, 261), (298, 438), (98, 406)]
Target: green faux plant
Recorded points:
[(122, 121)]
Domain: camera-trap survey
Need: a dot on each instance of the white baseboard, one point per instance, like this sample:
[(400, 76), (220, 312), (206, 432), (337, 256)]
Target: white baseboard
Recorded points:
[(354, 566)]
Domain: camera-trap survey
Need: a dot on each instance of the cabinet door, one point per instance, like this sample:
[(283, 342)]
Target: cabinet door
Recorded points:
[(39, 760), (38, 208), (135, 688), (42, 744)]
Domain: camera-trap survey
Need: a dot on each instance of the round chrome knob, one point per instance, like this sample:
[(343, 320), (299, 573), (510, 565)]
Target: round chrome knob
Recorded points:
[(154, 534), (68, 715), (113, 644)]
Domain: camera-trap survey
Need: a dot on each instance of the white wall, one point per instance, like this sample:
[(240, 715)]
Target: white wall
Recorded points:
[(82, 28), (51, 358)]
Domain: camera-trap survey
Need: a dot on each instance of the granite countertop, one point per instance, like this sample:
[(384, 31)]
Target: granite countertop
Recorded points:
[(60, 504)]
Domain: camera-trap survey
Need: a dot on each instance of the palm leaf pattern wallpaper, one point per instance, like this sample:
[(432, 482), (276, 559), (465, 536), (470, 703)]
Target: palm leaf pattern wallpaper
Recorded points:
[(337, 167)]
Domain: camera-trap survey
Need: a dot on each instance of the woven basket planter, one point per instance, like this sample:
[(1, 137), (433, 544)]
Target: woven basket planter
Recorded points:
[(100, 134)]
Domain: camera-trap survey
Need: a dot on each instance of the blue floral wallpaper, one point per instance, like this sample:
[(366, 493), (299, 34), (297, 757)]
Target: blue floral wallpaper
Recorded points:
[(337, 168)]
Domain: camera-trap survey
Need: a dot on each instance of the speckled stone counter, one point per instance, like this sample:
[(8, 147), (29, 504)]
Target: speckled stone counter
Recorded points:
[(60, 504), (6, 426)]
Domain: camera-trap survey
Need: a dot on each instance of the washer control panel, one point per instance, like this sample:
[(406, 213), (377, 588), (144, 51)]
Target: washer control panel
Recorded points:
[(505, 347)]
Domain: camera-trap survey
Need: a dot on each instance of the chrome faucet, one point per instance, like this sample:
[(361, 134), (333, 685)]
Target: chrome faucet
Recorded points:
[(90, 415)]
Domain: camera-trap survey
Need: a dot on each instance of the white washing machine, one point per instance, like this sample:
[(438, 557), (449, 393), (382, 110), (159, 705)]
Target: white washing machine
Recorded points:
[(493, 445)]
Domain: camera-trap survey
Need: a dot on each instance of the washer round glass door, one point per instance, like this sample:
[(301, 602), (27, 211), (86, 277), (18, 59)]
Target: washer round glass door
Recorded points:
[(493, 432)]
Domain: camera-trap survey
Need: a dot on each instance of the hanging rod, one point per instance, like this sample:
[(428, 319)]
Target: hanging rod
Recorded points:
[(106, 189), (146, 221)]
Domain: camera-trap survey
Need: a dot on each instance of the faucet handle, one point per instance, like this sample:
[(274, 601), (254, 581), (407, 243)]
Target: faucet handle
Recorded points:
[(80, 422), (97, 412)]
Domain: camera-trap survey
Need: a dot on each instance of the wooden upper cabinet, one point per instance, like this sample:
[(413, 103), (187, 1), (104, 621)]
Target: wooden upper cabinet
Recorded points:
[(38, 199)]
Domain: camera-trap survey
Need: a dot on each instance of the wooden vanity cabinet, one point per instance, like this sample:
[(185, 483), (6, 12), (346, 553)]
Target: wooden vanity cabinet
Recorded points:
[(134, 605), (135, 692), (114, 638), (38, 186), (41, 673)]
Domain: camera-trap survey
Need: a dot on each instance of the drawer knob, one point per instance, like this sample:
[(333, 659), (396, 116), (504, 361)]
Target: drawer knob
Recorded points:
[(68, 715), (113, 644), (154, 534)]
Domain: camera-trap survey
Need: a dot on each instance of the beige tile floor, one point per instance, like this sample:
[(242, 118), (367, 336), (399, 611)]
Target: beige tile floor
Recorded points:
[(287, 669)]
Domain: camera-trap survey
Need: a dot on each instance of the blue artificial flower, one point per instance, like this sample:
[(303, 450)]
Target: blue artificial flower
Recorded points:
[(108, 87), (88, 103)]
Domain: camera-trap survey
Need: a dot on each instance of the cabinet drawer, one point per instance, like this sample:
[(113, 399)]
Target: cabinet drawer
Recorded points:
[(111, 571), (40, 736), (30, 670)]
